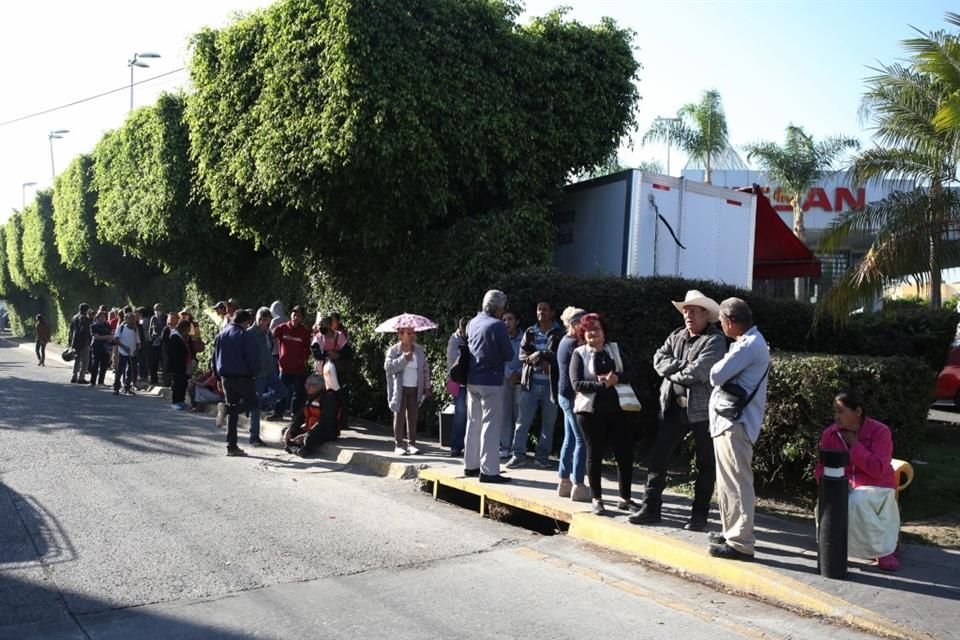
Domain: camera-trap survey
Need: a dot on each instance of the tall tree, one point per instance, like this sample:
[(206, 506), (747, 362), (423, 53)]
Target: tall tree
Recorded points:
[(938, 54), (701, 130), (911, 226)]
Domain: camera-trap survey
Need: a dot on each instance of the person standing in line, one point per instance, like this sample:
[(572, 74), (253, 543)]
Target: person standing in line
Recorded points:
[(511, 386), (173, 319), (141, 368), (101, 348), (155, 334), (43, 338), (266, 374), (596, 369), (175, 364), (236, 362), (222, 319), (684, 360), (745, 364), (408, 385), (127, 339), (490, 350), (79, 340), (279, 315), (457, 340), (573, 451), (293, 338), (538, 387)]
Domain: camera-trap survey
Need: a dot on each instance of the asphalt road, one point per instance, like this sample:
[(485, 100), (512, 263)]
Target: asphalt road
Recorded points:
[(120, 518)]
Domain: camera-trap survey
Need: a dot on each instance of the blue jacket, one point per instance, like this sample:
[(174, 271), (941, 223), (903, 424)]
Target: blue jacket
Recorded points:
[(490, 350), (236, 353)]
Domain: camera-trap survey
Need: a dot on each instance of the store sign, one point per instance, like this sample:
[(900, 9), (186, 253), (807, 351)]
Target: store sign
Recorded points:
[(818, 198)]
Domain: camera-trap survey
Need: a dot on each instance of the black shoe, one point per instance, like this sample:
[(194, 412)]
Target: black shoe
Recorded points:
[(236, 452), (727, 552), (629, 505), (116, 392), (73, 381), (696, 523), (258, 443), (456, 454), (497, 479), (471, 473), (291, 449), (716, 538), (646, 515)]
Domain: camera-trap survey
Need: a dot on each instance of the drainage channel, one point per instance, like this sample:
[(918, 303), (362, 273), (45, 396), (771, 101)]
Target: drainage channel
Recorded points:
[(504, 513)]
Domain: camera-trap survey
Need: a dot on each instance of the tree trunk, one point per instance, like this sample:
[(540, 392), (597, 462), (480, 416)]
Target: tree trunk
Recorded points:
[(799, 284), (936, 237), (708, 174)]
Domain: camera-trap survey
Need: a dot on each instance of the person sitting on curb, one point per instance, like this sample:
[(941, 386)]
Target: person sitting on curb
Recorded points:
[(205, 389), (874, 517), (316, 422)]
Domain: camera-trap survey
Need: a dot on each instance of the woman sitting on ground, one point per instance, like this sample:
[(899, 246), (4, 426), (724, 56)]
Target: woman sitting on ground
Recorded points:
[(874, 517)]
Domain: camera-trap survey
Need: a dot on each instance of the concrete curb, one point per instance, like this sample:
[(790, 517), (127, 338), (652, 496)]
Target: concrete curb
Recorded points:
[(751, 579)]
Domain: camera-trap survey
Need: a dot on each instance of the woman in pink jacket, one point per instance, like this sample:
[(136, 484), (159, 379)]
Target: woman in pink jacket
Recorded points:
[(874, 517)]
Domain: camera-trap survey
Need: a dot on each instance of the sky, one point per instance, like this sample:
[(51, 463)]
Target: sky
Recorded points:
[(774, 63)]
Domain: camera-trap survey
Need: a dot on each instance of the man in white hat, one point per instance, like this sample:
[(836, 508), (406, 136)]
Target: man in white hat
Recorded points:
[(684, 361)]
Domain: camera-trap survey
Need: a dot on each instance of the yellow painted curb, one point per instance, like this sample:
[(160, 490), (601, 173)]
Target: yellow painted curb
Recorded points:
[(747, 578)]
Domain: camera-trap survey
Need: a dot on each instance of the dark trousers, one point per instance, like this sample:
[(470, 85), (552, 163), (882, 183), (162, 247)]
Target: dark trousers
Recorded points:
[(41, 350), (295, 391), (178, 387), (240, 395), (101, 362), (124, 370), (673, 429), (153, 359), (603, 430)]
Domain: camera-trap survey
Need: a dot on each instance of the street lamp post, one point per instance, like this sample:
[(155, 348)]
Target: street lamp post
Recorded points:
[(137, 61), (54, 135), (23, 189), (672, 120)]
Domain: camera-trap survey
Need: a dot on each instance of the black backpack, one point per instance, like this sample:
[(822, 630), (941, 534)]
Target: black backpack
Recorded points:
[(460, 368)]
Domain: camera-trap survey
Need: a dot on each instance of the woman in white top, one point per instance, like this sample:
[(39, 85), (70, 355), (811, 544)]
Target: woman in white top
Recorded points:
[(408, 383)]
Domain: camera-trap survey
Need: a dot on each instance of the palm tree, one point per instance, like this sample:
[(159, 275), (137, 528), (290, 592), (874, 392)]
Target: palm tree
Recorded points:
[(913, 228), (938, 54), (700, 130), (795, 167), (798, 164)]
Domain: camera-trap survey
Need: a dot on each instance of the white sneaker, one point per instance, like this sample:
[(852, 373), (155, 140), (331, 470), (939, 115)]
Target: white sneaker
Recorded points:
[(412, 450), (400, 451)]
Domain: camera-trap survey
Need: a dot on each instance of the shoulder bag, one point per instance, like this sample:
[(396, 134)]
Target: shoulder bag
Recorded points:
[(734, 398)]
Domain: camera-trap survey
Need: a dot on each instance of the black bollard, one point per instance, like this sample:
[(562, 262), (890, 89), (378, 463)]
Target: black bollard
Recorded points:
[(832, 514)]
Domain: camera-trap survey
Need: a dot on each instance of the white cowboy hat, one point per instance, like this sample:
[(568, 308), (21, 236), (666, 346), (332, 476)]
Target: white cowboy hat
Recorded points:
[(696, 299)]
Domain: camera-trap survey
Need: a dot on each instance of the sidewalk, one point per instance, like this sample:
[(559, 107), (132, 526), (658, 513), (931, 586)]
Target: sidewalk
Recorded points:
[(921, 600)]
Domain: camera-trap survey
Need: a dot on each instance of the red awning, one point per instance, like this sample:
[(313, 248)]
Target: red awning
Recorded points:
[(777, 253)]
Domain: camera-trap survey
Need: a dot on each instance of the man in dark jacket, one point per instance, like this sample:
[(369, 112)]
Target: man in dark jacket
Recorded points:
[(684, 361), (155, 339), (236, 363), (80, 342)]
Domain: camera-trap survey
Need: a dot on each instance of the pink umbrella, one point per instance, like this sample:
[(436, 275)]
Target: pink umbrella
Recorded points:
[(406, 321)]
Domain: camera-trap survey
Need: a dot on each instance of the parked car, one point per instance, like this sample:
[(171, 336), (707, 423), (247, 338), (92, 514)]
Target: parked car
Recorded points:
[(948, 382)]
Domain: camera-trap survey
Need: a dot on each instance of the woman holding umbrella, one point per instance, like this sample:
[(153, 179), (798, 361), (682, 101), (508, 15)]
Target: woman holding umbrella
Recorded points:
[(408, 378)]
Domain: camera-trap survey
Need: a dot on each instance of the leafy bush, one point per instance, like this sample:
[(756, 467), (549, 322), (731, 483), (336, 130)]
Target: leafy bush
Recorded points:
[(800, 396), (13, 234)]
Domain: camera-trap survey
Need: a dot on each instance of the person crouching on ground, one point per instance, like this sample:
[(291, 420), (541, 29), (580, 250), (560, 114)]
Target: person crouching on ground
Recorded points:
[(408, 384), (596, 369), (874, 517), (316, 422)]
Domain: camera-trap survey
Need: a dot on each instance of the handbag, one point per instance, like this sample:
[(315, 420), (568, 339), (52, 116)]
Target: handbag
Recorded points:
[(460, 368), (733, 398), (69, 354), (627, 397), (583, 402)]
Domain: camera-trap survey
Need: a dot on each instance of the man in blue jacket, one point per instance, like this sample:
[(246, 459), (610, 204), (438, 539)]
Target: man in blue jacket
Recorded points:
[(490, 350), (236, 362)]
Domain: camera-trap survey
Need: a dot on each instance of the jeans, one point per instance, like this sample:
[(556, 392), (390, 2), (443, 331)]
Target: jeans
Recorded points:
[(511, 411), (240, 395), (263, 383), (124, 370), (673, 429), (81, 363), (178, 383), (538, 395), (573, 451), (459, 420), (295, 390)]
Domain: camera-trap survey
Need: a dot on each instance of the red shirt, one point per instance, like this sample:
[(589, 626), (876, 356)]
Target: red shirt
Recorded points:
[(870, 455), (294, 345)]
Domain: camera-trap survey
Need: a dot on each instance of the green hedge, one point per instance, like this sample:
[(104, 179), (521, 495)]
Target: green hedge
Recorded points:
[(800, 405)]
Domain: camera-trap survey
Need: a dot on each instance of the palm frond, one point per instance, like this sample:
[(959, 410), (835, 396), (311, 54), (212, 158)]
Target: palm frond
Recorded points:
[(876, 164)]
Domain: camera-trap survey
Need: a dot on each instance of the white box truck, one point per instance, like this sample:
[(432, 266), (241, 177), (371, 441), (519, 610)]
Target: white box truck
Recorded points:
[(634, 223)]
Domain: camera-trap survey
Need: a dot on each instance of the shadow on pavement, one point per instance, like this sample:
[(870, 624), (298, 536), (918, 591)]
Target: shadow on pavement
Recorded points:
[(29, 532)]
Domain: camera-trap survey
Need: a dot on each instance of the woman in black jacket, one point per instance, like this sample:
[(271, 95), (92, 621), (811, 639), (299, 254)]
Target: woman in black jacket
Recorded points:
[(596, 368), (178, 354)]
